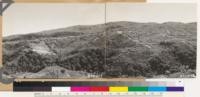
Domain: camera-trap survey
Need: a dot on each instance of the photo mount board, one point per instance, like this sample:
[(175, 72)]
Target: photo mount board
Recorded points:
[(72, 79)]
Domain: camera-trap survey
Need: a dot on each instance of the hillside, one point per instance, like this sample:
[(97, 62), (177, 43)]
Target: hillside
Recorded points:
[(115, 49)]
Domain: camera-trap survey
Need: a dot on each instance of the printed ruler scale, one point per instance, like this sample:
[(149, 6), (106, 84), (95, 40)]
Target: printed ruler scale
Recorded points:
[(99, 94)]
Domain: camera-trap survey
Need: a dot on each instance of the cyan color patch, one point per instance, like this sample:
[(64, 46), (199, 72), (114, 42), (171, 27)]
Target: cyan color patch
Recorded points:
[(157, 89)]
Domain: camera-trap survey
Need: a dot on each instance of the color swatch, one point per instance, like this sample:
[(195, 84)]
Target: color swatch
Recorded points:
[(98, 87)]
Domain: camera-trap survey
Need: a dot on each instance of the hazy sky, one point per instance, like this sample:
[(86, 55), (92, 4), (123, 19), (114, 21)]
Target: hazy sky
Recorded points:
[(155, 12), (28, 18)]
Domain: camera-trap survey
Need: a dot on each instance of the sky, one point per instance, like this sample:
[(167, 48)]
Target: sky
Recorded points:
[(23, 18), (29, 18), (154, 12)]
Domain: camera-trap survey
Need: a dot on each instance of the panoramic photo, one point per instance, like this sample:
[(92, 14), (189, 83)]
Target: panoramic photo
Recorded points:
[(121, 40)]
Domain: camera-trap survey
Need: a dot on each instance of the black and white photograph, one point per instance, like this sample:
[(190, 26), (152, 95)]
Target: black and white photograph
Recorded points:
[(112, 40)]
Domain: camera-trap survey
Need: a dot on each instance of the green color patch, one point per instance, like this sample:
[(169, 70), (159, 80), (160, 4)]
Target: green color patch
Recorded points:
[(138, 89)]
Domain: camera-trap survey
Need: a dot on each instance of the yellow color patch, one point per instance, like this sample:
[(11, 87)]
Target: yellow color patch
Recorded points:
[(118, 89)]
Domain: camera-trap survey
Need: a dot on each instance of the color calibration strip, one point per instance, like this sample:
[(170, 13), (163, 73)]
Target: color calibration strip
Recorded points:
[(99, 86), (117, 89)]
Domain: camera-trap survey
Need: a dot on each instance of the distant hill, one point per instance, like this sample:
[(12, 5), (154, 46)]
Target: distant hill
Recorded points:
[(115, 49)]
